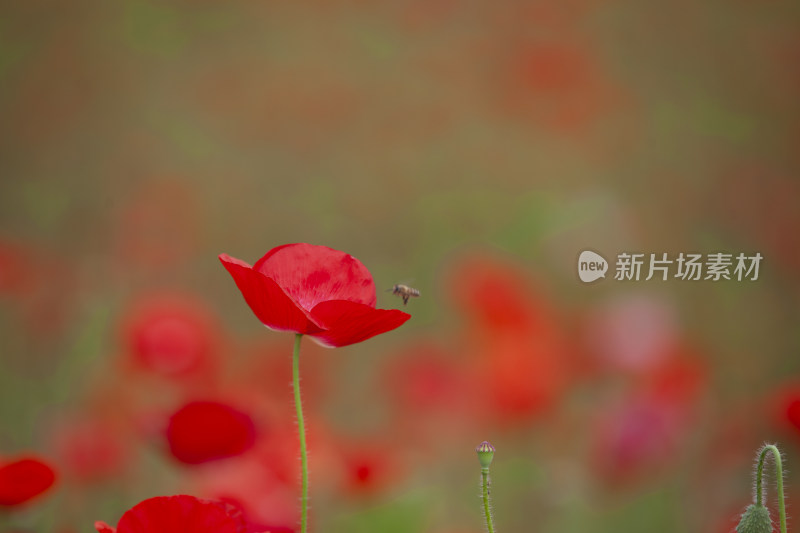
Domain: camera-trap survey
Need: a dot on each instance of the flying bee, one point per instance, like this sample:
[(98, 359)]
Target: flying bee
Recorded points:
[(405, 292)]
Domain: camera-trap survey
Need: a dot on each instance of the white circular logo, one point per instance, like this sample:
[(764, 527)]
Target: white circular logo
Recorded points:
[(591, 266)]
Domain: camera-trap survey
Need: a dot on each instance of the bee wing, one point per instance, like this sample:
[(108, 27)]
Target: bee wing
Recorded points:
[(405, 282)]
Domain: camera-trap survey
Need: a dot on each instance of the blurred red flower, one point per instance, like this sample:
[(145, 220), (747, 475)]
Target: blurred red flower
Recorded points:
[(431, 392), (793, 412), (314, 290), (681, 380), (90, 449), (16, 277), (262, 378), (785, 408), (560, 85), (41, 288), (203, 431), (178, 514), (368, 466), (23, 479), (493, 295), (633, 439), (520, 352), (425, 377), (265, 496), (632, 332), (645, 434), (170, 334)]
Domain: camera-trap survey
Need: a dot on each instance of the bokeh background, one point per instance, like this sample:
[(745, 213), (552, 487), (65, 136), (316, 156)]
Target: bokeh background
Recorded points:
[(470, 149)]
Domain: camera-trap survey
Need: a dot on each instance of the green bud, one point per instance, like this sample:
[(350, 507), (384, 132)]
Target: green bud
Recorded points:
[(755, 520), (485, 453)]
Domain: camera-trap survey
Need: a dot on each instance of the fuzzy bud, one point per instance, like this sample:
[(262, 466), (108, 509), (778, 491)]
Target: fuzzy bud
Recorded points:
[(485, 453), (755, 520)]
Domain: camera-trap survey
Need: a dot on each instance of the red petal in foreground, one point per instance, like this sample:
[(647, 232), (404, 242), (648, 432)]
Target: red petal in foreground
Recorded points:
[(178, 514), (205, 431), (267, 300), (348, 322), (24, 479), (312, 274)]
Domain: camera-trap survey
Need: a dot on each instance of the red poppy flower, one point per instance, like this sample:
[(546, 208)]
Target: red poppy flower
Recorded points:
[(205, 431), (178, 514), (24, 479), (314, 290)]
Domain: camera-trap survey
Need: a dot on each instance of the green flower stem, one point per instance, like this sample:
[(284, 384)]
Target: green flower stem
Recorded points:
[(486, 510), (301, 428), (778, 474)]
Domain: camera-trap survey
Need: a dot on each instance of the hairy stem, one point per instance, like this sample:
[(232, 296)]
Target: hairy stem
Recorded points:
[(301, 428), (486, 510), (778, 474)]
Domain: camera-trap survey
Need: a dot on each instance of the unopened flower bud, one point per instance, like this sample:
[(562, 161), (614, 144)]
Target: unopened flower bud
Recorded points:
[(485, 453), (755, 520)]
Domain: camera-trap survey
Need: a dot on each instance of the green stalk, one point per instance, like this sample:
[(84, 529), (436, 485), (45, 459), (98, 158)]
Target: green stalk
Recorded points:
[(301, 428), (486, 510), (485, 452), (778, 474)]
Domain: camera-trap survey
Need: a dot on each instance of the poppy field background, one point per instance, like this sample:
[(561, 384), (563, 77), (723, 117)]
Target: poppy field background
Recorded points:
[(470, 150)]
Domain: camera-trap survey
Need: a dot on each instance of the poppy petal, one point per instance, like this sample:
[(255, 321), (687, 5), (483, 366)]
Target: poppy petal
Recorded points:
[(102, 527), (181, 514), (312, 274), (23, 480), (203, 431), (268, 301), (350, 322)]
